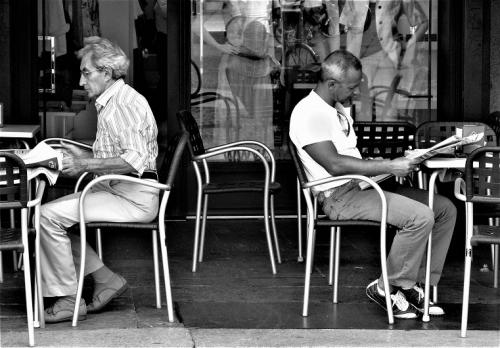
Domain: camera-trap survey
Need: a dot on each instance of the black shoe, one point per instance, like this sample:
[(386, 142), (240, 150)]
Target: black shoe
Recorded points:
[(415, 297), (400, 306)]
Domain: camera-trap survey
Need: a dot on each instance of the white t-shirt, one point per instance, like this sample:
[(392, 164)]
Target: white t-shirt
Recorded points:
[(313, 120)]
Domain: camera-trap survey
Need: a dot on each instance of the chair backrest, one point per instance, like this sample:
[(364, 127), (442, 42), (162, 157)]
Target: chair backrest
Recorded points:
[(173, 156), (482, 175), (188, 124), (13, 182), (430, 133), (301, 173), (385, 139)]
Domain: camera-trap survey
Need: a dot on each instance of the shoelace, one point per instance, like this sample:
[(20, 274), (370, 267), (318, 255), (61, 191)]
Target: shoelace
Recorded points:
[(400, 301), (420, 292)]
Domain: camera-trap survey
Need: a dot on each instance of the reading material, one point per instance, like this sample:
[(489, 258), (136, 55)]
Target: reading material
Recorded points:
[(446, 146), (42, 159)]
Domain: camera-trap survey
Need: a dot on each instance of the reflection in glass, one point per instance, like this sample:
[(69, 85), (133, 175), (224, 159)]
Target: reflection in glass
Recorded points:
[(256, 59)]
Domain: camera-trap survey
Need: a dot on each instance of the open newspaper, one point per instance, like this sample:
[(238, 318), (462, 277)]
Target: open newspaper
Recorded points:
[(446, 146), (42, 159)]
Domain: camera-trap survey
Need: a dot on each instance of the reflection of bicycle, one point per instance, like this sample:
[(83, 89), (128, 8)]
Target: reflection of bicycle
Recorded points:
[(298, 58)]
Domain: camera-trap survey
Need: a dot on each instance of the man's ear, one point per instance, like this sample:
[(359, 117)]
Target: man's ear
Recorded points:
[(108, 74)]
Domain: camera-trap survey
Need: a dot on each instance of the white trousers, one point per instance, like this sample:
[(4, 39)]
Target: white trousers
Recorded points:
[(60, 252)]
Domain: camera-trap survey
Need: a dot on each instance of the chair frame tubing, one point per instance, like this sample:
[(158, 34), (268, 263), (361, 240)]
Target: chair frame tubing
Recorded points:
[(201, 218), (161, 225), (311, 239)]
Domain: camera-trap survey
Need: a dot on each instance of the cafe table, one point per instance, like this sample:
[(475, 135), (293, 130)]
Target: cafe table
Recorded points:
[(19, 132), (439, 166)]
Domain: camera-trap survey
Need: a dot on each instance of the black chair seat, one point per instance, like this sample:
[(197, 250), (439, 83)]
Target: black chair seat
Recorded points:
[(10, 239), (247, 186), (339, 223), (134, 225), (484, 234)]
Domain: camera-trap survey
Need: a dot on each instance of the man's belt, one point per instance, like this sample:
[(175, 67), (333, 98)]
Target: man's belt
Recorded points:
[(147, 174)]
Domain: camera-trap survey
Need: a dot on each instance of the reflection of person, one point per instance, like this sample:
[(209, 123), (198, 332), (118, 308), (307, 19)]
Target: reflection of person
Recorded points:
[(125, 144), (388, 60), (321, 25), (244, 71), (324, 135)]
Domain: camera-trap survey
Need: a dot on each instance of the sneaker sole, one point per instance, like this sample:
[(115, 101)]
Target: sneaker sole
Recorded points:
[(383, 305), (430, 313)]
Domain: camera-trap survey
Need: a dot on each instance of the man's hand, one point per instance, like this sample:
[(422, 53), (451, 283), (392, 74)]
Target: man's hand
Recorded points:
[(74, 159), (402, 166)]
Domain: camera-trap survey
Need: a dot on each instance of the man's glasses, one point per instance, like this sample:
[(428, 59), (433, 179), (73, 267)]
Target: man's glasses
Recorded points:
[(86, 73), (344, 122)]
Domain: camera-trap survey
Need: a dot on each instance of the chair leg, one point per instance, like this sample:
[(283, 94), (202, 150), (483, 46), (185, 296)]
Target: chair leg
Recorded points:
[(166, 271), (300, 258), (467, 269), (15, 261), (465, 300), (495, 267), (268, 233), (1, 268), (309, 261), (333, 232), (27, 278), (203, 227), (337, 264), (38, 273), (156, 268), (98, 240), (197, 229), (81, 275), (275, 232)]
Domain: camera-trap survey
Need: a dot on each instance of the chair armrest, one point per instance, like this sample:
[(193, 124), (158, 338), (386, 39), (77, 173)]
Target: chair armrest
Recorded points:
[(79, 181), (233, 149), (249, 143), (120, 177), (459, 189), (370, 182), (39, 194), (55, 142)]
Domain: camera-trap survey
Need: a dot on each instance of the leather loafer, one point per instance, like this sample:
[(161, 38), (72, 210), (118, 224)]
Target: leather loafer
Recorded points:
[(106, 293), (62, 310)]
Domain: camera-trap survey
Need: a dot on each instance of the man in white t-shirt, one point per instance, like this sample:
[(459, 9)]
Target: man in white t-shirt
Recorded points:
[(322, 130)]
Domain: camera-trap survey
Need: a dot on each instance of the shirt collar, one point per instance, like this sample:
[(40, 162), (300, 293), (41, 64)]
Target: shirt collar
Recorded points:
[(103, 99)]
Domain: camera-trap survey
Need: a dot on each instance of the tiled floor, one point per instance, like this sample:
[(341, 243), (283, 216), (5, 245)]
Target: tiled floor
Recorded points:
[(235, 288)]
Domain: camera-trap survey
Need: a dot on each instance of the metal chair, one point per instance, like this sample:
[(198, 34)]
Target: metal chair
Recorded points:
[(374, 139), (384, 139), (430, 133), (481, 186), (335, 225), (268, 186), (14, 194), (171, 163)]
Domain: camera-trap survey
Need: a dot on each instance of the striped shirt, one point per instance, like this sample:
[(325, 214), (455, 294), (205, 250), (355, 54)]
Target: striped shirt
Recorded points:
[(126, 127)]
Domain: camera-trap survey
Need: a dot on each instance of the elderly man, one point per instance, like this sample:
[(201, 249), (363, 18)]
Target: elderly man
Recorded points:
[(125, 144), (322, 131)]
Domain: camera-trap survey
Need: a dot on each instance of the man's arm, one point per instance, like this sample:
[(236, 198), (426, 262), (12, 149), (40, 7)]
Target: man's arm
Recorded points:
[(77, 161), (73, 166), (336, 164)]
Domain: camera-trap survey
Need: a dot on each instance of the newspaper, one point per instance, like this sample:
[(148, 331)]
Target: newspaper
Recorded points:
[(42, 159), (446, 146)]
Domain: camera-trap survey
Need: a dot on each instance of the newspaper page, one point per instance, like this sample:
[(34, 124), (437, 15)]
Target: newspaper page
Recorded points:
[(446, 146), (42, 159)]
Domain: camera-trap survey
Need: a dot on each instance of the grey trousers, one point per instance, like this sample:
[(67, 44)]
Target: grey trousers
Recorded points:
[(60, 255), (407, 210)]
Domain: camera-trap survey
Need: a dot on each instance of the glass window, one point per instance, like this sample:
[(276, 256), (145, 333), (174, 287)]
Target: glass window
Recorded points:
[(253, 60)]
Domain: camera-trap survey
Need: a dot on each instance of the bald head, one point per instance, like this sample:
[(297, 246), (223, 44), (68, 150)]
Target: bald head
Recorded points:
[(337, 64)]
